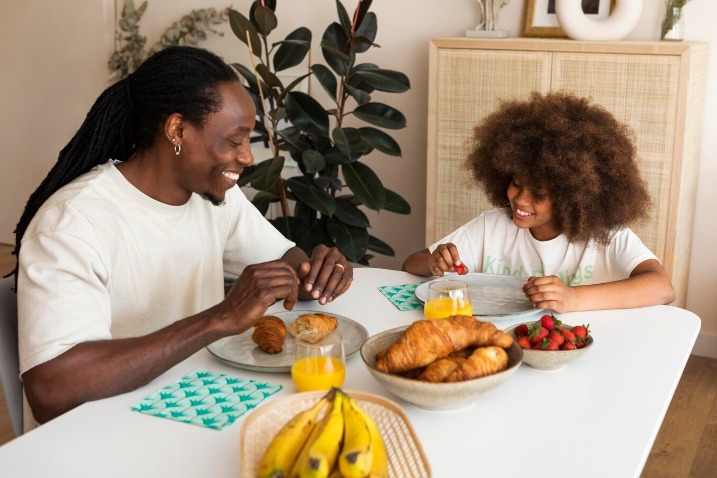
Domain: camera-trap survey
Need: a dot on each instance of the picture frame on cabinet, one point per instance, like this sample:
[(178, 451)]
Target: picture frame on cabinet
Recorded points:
[(541, 21)]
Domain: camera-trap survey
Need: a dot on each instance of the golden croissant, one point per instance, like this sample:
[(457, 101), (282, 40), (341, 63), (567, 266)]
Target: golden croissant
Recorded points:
[(269, 334), (483, 361), (316, 322), (440, 369), (425, 341)]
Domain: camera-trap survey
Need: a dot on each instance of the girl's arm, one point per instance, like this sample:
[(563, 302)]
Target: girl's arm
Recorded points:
[(648, 284), (424, 263)]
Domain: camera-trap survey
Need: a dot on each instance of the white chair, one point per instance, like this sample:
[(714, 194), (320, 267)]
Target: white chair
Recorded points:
[(9, 361)]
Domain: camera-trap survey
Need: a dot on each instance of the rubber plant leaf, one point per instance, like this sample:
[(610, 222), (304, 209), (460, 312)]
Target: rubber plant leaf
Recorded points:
[(305, 190), (365, 184), (306, 113), (293, 49), (351, 241), (380, 140), (382, 115)]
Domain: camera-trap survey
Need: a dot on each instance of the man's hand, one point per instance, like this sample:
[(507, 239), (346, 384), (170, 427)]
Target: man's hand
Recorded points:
[(258, 287), (327, 274)]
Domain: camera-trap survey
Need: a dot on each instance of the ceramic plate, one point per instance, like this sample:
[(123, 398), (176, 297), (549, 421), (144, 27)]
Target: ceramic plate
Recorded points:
[(496, 296), (241, 351)]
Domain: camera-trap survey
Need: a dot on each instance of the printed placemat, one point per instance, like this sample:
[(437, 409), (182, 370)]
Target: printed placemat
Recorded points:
[(208, 399), (402, 296)]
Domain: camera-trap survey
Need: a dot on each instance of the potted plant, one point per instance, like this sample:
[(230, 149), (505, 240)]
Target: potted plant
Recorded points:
[(333, 182)]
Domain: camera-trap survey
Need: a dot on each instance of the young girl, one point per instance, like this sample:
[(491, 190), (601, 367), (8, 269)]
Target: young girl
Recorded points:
[(564, 176)]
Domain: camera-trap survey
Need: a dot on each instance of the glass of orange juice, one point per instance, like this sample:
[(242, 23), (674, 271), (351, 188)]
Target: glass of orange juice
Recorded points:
[(447, 298), (318, 364)]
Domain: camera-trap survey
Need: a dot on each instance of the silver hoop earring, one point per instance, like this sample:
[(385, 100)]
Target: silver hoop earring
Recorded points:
[(177, 149)]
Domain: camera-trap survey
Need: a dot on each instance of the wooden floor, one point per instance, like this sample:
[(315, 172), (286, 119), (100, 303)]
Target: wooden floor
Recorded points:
[(686, 446)]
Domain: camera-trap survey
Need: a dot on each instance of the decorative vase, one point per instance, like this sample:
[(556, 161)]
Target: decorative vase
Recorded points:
[(617, 26), (489, 19), (673, 27)]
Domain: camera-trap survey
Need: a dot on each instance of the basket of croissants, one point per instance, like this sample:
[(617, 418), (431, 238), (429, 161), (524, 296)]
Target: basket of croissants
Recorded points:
[(442, 364)]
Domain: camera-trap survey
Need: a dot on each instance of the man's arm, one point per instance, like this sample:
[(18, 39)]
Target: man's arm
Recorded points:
[(100, 369)]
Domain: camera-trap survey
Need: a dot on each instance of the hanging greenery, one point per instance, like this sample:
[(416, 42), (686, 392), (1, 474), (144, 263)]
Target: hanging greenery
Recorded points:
[(130, 50), (333, 183)]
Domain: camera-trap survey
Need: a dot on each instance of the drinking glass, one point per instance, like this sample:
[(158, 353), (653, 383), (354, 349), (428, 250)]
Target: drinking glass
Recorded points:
[(447, 298), (318, 364)]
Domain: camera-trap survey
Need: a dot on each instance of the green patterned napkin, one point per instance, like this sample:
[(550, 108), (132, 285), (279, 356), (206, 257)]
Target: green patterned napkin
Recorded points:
[(209, 399), (402, 296)]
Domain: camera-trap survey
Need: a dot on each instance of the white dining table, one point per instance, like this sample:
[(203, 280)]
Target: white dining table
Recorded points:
[(597, 417)]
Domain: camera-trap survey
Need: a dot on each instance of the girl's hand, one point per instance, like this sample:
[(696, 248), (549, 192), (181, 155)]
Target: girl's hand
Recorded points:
[(443, 259), (550, 292)]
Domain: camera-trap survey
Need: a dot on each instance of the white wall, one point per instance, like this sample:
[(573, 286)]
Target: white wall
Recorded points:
[(53, 67)]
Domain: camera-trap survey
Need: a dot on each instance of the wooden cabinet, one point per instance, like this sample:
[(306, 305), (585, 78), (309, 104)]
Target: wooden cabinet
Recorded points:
[(655, 87)]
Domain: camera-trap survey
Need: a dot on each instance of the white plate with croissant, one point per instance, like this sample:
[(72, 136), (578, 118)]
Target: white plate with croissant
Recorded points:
[(268, 347), (493, 296)]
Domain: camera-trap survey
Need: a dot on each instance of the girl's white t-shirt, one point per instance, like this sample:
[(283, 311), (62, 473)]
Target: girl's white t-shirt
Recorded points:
[(492, 243)]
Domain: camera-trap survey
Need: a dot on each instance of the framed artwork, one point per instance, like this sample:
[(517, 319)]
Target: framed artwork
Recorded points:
[(540, 19)]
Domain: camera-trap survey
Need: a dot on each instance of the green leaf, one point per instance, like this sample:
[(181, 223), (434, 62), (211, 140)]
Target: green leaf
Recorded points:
[(348, 140), (365, 184), (327, 80), (344, 18), (248, 75), (351, 241), (377, 245), (335, 157), (267, 174), (381, 115), (293, 50), (348, 213), (262, 200), (295, 230), (367, 29), (395, 203), (269, 78), (305, 190), (380, 140), (313, 160), (246, 175), (360, 96), (363, 7), (306, 113), (385, 80), (263, 19), (240, 25), (332, 48)]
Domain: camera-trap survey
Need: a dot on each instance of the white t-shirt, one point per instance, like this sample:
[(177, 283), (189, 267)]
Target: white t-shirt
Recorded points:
[(101, 260), (492, 243)]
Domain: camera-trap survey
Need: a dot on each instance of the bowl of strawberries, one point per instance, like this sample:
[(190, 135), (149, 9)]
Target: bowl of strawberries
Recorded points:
[(549, 344)]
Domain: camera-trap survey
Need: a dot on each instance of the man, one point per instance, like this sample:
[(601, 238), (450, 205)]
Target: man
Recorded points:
[(123, 248)]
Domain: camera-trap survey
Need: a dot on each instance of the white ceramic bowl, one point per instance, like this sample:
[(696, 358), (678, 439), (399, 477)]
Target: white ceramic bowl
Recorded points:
[(550, 359), (433, 396)]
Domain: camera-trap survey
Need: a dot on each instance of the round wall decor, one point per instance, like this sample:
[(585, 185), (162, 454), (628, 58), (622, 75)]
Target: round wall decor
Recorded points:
[(617, 26)]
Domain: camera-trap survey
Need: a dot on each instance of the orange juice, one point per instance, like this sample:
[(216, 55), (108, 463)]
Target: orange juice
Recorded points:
[(318, 373), (445, 307)]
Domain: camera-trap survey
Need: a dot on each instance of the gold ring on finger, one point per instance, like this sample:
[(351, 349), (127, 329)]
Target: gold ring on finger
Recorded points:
[(339, 266)]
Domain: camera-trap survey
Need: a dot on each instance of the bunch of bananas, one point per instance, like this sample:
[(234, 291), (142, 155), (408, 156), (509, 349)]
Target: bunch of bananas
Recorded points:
[(345, 442)]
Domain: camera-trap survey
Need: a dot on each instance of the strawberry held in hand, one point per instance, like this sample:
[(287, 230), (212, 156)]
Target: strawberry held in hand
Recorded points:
[(460, 269)]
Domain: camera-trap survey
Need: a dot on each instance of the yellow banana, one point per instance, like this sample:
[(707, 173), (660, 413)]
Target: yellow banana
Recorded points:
[(279, 457), (379, 465), (357, 454), (323, 452)]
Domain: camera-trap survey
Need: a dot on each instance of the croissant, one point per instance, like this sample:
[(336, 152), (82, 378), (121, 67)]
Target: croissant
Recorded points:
[(440, 369), (313, 322), (269, 334), (425, 341), (483, 361)]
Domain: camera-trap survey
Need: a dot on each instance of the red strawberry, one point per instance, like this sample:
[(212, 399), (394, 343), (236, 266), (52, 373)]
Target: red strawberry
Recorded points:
[(568, 346), (548, 321), (556, 337), (539, 345), (581, 331), (552, 346), (521, 330), (460, 269), (524, 342), (538, 334), (569, 336), (580, 344)]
